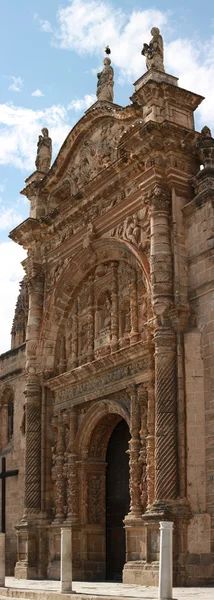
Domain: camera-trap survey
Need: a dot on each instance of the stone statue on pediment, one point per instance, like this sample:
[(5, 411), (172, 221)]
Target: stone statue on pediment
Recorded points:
[(154, 51), (105, 82), (44, 152)]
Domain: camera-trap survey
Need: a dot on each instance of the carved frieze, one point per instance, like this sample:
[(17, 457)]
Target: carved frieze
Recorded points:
[(99, 385)]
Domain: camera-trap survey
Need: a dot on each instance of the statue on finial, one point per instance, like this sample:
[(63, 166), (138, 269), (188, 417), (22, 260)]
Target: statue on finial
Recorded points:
[(105, 82), (154, 51), (44, 152)]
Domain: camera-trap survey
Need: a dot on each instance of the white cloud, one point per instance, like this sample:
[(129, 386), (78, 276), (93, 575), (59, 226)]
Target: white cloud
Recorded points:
[(11, 273), (86, 26), (43, 23), (19, 130), (16, 85), (83, 103), (9, 218), (37, 93)]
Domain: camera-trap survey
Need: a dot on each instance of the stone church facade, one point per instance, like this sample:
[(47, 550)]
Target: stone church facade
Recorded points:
[(106, 395)]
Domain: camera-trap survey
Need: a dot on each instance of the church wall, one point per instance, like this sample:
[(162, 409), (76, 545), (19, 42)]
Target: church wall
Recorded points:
[(12, 379), (199, 360)]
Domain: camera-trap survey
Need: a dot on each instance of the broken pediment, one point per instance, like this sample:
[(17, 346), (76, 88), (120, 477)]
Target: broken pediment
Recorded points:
[(96, 150)]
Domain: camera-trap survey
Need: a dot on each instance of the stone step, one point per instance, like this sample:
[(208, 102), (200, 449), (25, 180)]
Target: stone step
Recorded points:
[(18, 594)]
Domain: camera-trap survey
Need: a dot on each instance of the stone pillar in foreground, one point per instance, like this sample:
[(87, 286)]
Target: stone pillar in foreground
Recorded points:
[(165, 568), (66, 560), (2, 559)]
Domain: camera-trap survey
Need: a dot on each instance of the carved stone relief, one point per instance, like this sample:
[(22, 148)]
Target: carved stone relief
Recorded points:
[(135, 229), (96, 153), (108, 313)]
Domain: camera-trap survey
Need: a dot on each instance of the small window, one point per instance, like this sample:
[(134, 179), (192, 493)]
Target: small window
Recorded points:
[(6, 417)]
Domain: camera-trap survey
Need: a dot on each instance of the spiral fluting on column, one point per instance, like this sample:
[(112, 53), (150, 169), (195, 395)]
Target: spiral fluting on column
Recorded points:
[(33, 458), (166, 421)]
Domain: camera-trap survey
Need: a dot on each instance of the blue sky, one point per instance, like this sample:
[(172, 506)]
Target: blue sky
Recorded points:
[(50, 53)]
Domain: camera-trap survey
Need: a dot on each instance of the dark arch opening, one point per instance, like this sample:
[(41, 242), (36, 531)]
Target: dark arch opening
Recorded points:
[(117, 500)]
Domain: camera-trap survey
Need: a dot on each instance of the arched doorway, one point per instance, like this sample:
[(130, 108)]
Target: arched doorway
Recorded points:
[(117, 499)]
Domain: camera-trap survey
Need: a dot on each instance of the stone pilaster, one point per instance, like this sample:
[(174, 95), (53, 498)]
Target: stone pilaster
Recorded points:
[(114, 308), (58, 467), (91, 321), (71, 471), (150, 469), (134, 451), (143, 403), (74, 349), (134, 335)]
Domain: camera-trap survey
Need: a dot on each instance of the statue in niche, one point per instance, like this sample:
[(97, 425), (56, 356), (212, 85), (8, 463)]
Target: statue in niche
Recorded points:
[(125, 323), (84, 339), (44, 152), (105, 82), (154, 51), (103, 315), (89, 237)]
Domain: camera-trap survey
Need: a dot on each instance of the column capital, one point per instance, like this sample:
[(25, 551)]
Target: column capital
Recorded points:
[(159, 199)]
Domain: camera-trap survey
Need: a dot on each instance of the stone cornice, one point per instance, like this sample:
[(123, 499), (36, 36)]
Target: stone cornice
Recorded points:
[(125, 356), (26, 232)]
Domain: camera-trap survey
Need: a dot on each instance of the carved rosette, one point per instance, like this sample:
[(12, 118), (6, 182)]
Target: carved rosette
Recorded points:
[(134, 452), (58, 475), (143, 403)]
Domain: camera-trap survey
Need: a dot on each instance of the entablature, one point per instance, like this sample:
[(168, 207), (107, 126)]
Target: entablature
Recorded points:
[(103, 376)]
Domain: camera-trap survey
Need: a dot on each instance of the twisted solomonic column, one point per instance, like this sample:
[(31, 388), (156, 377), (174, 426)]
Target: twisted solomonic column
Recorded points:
[(33, 446), (32, 501), (165, 350)]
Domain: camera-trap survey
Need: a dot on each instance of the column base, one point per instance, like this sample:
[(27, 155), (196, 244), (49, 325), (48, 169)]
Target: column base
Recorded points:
[(32, 550), (140, 572)]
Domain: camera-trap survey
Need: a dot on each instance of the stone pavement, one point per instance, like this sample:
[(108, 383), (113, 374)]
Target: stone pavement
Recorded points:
[(50, 590)]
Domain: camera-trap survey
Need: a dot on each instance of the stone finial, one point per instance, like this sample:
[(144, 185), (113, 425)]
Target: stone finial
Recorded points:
[(105, 82), (154, 51), (206, 132), (205, 148), (44, 152)]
